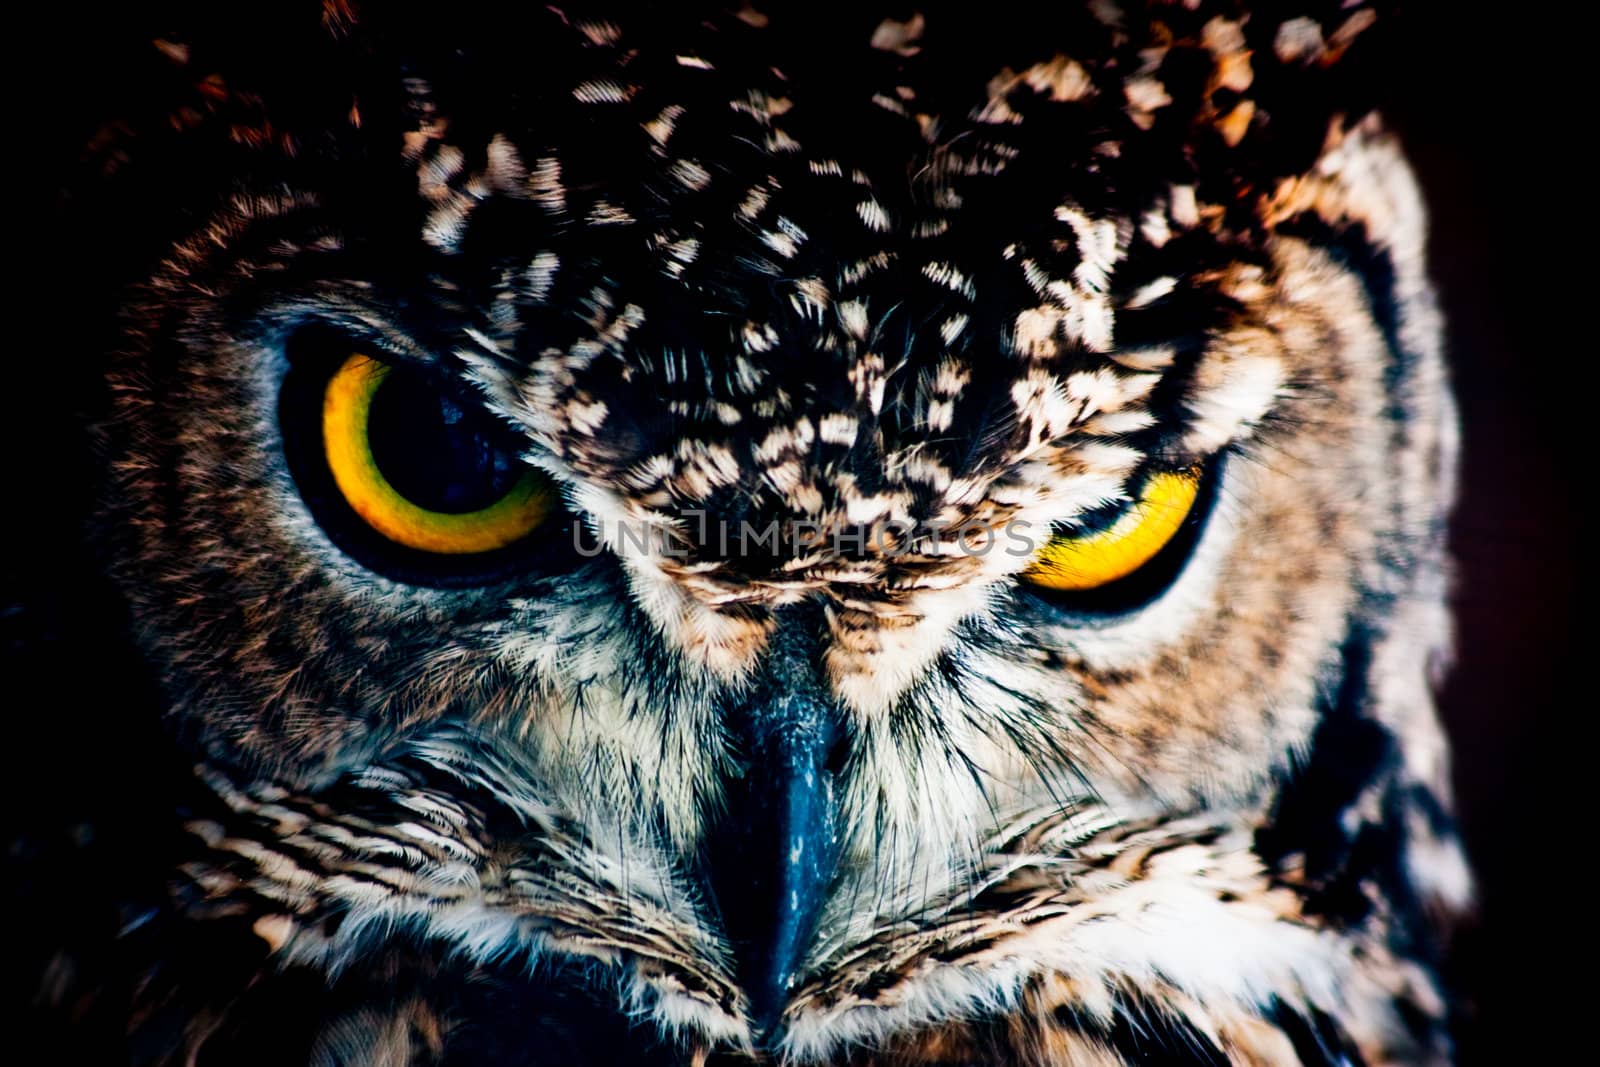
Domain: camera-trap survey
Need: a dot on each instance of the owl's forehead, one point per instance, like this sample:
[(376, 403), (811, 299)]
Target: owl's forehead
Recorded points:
[(884, 270)]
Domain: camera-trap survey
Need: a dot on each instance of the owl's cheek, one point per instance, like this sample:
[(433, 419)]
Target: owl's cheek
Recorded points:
[(1264, 622)]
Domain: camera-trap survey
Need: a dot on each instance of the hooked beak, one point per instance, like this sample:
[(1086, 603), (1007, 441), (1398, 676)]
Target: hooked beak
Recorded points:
[(771, 860)]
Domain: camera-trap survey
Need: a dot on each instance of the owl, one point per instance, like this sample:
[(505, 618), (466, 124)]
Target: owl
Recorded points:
[(764, 535)]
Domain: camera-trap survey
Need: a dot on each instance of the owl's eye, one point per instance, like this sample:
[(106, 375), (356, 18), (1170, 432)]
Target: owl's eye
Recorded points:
[(412, 465), (404, 478), (1078, 561)]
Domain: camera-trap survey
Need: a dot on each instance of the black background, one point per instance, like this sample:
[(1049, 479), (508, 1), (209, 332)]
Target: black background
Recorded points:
[(1489, 104)]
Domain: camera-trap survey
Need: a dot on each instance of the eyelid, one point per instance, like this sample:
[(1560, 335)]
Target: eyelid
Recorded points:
[(325, 343)]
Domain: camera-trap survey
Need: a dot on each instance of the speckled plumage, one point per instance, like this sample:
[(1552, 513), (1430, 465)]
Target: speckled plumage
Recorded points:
[(868, 272)]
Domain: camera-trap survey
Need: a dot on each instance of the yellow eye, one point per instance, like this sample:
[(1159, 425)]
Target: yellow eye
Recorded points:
[(1091, 560), (413, 466)]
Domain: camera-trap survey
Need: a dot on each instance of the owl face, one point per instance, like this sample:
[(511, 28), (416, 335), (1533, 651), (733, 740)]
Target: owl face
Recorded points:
[(748, 500)]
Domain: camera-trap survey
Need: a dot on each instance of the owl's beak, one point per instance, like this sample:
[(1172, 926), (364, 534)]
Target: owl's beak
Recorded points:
[(776, 852)]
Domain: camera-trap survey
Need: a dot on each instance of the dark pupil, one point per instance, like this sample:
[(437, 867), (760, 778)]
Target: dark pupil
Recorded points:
[(433, 452)]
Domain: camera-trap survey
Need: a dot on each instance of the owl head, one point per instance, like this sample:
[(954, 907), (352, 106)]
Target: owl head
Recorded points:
[(751, 499)]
